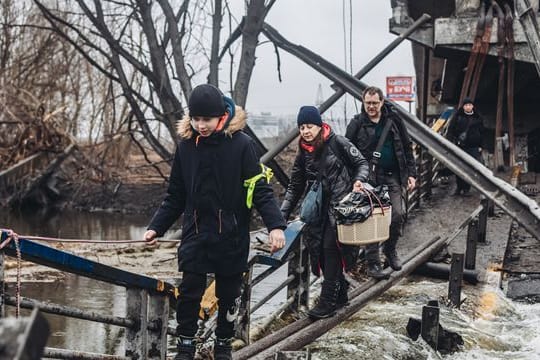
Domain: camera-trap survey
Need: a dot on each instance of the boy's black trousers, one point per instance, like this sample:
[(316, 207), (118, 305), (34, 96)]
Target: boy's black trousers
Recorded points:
[(188, 306)]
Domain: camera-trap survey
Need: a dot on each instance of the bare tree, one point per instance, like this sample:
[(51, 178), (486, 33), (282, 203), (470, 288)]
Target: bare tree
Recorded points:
[(174, 49)]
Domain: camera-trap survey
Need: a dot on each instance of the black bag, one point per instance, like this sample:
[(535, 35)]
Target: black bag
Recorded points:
[(312, 206), (358, 206), (460, 141)]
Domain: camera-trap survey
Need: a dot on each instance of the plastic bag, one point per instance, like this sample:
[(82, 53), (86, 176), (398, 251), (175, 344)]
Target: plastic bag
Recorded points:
[(358, 206)]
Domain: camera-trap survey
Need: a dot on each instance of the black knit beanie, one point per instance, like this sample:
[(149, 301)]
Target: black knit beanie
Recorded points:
[(309, 115), (206, 100), (468, 100)]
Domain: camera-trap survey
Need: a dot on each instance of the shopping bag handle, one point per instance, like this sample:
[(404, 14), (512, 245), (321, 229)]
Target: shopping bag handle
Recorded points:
[(369, 194)]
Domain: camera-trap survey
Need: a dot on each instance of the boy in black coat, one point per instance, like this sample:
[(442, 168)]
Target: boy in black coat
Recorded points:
[(213, 160)]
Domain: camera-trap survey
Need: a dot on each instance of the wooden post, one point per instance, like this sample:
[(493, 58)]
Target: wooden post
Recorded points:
[(430, 325), (158, 316), (429, 180), (482, 222), (472, 239), (491, 208), (136, 310), (2, 287), (456, 277), (420, 181), (297, 266), (303, 275), (244, 312)]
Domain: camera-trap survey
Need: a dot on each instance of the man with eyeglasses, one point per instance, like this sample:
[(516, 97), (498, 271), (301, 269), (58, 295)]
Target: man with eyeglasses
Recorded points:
[(395, 167)]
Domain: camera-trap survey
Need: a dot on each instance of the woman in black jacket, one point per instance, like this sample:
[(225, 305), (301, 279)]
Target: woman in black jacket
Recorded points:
[(213, 160), (340, 167)]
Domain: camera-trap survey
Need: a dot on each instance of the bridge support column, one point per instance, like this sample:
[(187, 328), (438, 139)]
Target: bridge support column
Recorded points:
[(299, 287), (430, 323), (456, 279), (472, 240), (137, 311), (158, 316)]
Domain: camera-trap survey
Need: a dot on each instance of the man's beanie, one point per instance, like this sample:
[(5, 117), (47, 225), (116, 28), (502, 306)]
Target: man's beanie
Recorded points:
[(309, 115), (206, 100), (468, 100)]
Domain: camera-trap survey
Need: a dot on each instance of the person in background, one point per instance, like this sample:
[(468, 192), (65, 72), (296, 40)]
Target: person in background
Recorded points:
[(467, 131), (214, 165), (395, 168), (341, 168)]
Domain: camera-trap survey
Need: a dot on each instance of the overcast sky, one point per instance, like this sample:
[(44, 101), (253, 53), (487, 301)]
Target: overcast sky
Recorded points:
[(319, 26)]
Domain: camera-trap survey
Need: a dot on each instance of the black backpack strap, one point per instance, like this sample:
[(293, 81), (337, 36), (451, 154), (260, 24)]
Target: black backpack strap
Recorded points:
[(338, 150), (377, 153)]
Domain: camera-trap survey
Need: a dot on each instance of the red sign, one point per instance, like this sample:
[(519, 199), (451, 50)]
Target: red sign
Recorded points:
[(400, 88)]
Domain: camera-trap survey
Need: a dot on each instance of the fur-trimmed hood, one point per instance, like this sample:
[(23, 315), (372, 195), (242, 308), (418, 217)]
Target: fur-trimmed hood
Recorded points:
[(186, 131)]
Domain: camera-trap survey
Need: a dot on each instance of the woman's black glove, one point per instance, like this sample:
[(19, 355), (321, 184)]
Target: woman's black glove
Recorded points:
[(285, 209)]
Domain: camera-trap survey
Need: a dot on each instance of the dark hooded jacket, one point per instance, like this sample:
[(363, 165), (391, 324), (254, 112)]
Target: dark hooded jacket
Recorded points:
[(471, 125), (361, 132), (207, 186), (339, 164)]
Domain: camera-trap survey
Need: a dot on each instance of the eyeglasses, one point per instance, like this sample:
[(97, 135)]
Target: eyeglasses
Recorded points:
[(372, 103)]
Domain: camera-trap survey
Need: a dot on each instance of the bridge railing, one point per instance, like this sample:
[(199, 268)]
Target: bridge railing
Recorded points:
[(147, 299)]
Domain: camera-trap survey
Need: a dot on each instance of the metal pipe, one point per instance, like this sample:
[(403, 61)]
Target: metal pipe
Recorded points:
[(69, 311), (271, 294), (54, 353), (270, 154)]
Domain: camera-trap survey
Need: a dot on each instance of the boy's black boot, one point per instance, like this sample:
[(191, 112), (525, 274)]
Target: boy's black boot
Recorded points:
[(343, 296), (223, 349), (327, 301), (185, 348)]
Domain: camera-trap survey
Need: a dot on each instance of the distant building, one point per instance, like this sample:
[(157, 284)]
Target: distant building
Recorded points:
[(268, 126)]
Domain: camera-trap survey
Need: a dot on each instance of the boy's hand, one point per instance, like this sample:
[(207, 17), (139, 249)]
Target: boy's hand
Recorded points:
[(277, 240), (150, 237)]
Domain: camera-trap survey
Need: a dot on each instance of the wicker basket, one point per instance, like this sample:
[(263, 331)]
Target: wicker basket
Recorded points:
[(374, 229)]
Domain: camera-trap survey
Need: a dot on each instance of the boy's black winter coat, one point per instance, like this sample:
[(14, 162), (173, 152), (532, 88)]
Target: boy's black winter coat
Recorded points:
[(206, 185)]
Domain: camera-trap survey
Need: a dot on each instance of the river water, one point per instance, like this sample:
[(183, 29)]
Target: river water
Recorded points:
[(492, 326)]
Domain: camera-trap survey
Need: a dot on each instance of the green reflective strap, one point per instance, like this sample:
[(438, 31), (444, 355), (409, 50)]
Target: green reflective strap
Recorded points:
[(250, 183)]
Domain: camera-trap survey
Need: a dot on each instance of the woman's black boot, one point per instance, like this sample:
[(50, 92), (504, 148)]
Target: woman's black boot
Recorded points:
[(327, 301)]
